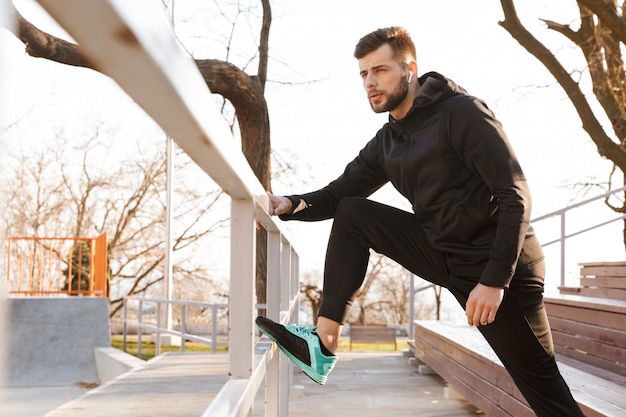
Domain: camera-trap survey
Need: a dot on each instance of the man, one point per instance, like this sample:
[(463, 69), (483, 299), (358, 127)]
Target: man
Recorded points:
[(447, 154)]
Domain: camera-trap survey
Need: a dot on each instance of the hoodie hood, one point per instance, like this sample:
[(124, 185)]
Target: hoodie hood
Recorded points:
[(434, 88)]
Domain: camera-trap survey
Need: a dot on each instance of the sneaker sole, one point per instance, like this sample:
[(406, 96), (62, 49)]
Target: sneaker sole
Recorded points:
[(309, 371)]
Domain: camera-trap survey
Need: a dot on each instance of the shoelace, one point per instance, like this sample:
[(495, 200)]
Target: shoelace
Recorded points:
[(301, 331)]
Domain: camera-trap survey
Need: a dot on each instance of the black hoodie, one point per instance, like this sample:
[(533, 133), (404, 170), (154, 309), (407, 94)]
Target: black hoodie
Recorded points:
[(451, 159)]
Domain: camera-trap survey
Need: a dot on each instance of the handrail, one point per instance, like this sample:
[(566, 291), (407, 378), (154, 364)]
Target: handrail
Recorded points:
[(132, 42), (159, 328), (563, 236)]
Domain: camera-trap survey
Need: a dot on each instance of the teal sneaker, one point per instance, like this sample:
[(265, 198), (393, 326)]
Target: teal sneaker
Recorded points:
[(302, 345)]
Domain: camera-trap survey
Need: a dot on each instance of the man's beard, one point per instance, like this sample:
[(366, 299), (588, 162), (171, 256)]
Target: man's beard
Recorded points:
[(395, 98)]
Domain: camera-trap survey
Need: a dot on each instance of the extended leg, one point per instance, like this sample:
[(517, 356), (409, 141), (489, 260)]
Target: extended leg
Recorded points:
[(361, 225)]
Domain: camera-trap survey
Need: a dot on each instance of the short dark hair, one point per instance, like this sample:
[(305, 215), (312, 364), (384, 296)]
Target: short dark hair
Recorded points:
[(396, 36)]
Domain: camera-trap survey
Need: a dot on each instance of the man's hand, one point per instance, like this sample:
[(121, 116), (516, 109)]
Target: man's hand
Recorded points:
[(279, 205), (482, 304)]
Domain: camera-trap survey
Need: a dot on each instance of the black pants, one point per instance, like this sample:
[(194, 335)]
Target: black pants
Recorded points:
[(520, 334)]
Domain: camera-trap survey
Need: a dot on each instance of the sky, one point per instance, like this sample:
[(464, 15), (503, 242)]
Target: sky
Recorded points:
[(319, 114)]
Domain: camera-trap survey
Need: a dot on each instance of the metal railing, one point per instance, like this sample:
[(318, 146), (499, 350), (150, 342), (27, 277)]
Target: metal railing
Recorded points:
[(562, 216), (133, 44), (57, 266), (155, 323)]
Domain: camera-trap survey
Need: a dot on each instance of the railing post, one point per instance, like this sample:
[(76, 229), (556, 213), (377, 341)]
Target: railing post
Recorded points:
[(285, 277), (100, 266), (214, 329), (183, 326), (242, 276), (158, 333), (139, 324), (273, 405), (125, 323), (9, 263), (285, 304)]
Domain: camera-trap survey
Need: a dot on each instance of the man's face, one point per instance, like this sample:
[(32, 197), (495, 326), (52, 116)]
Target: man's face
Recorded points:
[(384, 80)]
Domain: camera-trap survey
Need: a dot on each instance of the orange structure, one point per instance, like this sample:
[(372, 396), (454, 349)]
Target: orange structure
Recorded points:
[(54, 266)]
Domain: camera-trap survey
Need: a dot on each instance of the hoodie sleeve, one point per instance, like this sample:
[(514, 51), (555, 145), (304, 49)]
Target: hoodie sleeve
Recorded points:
[(481, 142), (360, 178)]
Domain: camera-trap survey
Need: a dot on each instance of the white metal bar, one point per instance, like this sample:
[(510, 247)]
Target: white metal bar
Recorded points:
[(273, 275), (272, 380), (242, 276), (285, 277), (168, 266)]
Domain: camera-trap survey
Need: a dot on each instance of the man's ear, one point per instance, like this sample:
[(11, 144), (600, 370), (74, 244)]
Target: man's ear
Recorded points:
[(412, 68)]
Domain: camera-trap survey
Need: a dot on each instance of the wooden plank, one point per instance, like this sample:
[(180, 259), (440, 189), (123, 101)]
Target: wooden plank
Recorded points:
[(611, 263), (478, 387), (604, 268), (470, 349), (602, 335), (618, 306), (604, 282), (601, 312), (612, 293), (603, 374), (597, 396), (604, 271), (590, 351), (455, 354), (600, 318)]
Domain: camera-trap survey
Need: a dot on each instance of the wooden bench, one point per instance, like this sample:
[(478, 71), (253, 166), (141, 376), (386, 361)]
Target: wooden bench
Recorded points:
[(373, 334), (590, 330), (461, 356), (601, 279)]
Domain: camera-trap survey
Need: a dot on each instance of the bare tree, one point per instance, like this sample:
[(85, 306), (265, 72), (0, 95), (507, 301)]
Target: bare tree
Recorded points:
[(124, 200), (600, 37), (245, 92)]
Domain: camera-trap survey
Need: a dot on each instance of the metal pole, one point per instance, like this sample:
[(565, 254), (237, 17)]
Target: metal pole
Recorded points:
[(169, 284), (168, 235)]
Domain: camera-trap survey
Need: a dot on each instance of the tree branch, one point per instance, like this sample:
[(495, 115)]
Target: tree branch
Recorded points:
[(606, 146), (606, 12), (39, 44)]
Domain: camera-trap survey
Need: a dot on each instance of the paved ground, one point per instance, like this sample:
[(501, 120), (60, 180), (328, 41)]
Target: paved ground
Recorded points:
[(35, 401), (364, 384), (376, 385)]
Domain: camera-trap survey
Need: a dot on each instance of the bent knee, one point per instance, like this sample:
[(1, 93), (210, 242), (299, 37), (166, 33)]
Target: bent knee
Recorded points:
[(350, 207)]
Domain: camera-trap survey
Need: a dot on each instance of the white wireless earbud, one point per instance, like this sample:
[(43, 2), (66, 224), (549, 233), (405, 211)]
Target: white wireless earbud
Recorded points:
[(410, 77)]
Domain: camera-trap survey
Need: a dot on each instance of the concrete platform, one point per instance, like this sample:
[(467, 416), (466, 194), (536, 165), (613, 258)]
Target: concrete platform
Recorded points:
[(368, 384), (51, 340)]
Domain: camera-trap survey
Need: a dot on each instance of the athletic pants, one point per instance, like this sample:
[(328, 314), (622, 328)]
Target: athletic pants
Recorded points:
[(520, 334)]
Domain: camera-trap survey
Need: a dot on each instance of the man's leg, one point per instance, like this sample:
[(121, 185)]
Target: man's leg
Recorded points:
[(516, 337), (359, 225), (521, 336)]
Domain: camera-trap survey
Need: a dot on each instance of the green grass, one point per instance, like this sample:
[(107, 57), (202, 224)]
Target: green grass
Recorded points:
[(148, 349)]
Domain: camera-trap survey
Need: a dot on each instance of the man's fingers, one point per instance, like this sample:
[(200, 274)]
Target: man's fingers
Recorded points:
[(469, 312)]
